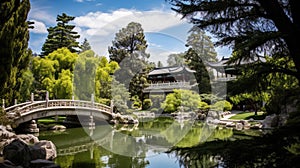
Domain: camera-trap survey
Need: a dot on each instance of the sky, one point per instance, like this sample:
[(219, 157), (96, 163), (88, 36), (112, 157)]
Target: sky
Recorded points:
[(99, 20)]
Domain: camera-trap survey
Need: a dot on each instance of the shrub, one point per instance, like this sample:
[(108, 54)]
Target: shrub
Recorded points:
[(222, 105), (147, 103)]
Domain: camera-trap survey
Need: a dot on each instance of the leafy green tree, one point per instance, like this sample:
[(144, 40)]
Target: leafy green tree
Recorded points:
[(202, 45), (250, 28), (85, 74), (63, 87), (85, 45), (61, 35), (254, 100), (222, 105), (14, 36), (120, 96), (104, 78), (186, 99), (65, 59), (53, 69)]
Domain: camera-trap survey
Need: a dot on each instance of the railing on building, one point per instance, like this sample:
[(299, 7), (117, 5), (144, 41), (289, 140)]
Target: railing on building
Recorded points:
[(169, 85)]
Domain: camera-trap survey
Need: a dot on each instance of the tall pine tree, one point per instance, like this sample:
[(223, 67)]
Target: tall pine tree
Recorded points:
[(14, 36), (201, 44), (129, 42), (129, 50), (61, 35)]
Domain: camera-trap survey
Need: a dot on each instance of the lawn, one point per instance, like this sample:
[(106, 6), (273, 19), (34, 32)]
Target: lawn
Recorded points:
[(248, 115), (51, 120)]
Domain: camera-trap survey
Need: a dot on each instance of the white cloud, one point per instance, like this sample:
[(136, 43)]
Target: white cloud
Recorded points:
[(100, 28), (39, 27), (150, 20), (42, 15)]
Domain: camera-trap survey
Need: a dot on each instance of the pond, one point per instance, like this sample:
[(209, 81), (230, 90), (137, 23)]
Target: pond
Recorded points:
[(145, 145)]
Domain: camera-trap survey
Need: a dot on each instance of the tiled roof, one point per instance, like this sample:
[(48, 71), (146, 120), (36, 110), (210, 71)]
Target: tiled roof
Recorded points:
[(170, 70)]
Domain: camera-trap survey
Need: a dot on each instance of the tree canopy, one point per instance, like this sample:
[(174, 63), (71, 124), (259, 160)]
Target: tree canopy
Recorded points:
[(129, 41), (202, 45), (61, 35)]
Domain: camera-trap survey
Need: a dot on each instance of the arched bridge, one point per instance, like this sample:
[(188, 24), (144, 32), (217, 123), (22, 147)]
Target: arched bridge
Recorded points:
[(24, 112)]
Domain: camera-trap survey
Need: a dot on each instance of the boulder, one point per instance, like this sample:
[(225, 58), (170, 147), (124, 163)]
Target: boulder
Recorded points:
[(239, 126), (58, 128), (49, 147), (18, 153)]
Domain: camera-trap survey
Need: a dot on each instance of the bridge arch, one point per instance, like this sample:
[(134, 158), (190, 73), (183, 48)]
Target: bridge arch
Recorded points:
[(25, 112)]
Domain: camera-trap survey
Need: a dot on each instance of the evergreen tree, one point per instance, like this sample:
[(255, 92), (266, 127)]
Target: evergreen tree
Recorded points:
[(85, 45), (160, 64), (195, 62), (61, 35), (202, 45), (129, 41), (14, 36), (129, 50)]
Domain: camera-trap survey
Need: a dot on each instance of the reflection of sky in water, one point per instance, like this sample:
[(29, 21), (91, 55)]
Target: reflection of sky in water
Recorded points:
[(162, 160)]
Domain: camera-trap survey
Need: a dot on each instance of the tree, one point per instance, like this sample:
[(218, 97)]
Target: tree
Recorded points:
[(250, 27), (58, 65), (85, 45), (202, 45), (14, 36), (63, 86), (19, 85), (176, 59), (186, 99), (129, 42), (194, 61), (104, 78), (61, 35), (129, 51), (85, 74), (160, 64)]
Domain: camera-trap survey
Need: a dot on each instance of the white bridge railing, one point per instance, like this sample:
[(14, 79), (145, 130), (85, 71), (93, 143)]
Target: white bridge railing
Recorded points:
[(22, 108)]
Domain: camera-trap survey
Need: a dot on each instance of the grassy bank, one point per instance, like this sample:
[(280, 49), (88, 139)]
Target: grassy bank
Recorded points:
[(249, 115)]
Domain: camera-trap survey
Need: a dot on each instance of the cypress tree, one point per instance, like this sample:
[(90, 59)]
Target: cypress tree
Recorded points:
[(14, 36), (61, 35)]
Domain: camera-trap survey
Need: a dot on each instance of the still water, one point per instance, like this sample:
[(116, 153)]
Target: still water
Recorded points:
[(145, 145)]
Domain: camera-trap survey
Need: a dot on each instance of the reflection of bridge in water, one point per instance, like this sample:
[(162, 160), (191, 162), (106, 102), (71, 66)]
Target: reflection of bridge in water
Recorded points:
[(24, 112), (109, 138)]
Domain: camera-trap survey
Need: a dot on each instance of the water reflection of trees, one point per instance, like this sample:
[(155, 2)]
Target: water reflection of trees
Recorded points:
[(278, 149)]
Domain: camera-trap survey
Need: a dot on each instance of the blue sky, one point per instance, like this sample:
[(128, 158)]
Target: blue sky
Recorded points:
[(99, 20)]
